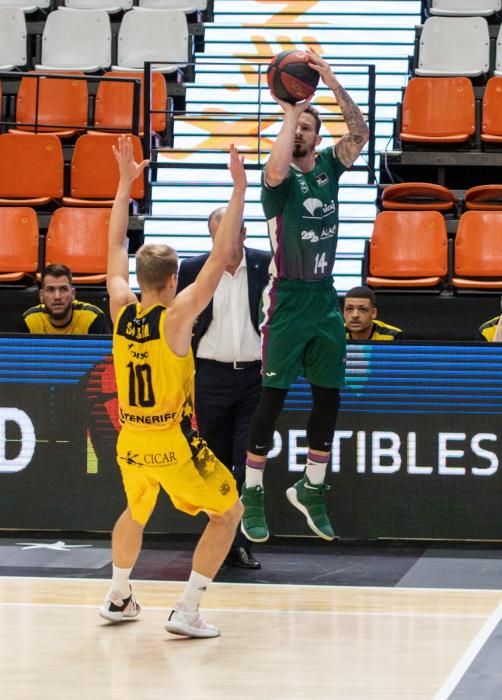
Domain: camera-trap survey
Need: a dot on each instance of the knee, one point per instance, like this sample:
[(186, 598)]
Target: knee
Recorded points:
[(230, 518)]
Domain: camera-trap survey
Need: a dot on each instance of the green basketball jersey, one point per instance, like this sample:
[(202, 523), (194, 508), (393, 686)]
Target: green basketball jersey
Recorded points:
[(302, 217)]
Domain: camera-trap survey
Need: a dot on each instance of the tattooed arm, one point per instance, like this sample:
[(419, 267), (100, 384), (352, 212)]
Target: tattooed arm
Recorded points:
[(349, 146)]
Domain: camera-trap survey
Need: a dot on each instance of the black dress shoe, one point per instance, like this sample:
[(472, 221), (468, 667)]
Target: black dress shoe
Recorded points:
[(242, 557)]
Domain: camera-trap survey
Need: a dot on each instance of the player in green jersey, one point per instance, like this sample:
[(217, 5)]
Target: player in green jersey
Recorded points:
[(303, 330)]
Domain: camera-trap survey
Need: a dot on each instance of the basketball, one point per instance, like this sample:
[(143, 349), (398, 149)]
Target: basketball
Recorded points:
[(290, 78)]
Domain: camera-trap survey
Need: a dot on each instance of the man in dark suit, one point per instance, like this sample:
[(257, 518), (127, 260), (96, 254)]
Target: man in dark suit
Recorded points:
[(226, 345)]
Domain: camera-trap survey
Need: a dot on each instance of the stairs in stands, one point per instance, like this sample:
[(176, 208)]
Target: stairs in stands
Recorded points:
[(229, 102)]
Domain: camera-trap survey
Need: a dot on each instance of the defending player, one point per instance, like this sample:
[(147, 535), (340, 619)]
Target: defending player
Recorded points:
[(157, 446)]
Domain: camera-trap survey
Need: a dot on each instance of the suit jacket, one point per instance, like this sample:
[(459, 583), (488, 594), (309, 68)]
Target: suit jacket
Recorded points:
[(257, 262)]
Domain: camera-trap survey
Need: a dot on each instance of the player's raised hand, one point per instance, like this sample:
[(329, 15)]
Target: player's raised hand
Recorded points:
[(129, 169), (296, 108), (320, 65), (237, 170)]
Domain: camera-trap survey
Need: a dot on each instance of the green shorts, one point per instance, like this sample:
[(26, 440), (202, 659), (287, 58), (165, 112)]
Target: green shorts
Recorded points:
[(303, 334)]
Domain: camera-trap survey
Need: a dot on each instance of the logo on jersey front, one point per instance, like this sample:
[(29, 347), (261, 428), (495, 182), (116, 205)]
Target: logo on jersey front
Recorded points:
[(318, 209), (312, 204), (310, 236), (225, 488)]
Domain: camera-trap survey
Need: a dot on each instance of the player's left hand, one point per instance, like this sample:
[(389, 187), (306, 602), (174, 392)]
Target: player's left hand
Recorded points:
[(237, 170), (321, 66)]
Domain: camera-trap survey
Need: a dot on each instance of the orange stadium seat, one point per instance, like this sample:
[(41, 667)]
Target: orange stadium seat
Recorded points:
[(78, 237), (408, 249), (94, 171), (114, 102), (478, 251), (19, 239), (62, 105), (418, 195), (32, 169), (491, 121), (438, 110), (485, 197)]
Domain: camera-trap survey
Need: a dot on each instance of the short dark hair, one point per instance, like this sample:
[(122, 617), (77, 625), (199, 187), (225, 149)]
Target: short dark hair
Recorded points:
[(56, 270), (362, 292), (314, 112), (216, 213)]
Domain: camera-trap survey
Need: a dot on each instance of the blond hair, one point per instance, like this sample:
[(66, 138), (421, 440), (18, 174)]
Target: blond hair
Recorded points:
[(155, 264)]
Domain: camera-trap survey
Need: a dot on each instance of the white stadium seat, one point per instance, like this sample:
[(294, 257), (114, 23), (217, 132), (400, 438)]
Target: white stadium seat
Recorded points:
[(107, 5), (454, 46), (153, 35), (12, 38), (465, 8), (76, 40)]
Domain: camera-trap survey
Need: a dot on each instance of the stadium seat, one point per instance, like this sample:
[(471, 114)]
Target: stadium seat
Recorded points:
[(13, 38), (78, 238), (491, 120), (94, 171), (62, 103), (153, 35), (76, 40), (484, 197), (107, 5), (408, 249), (498, 54), (114, 102), (19, 238), (186, 6), (32, 169), (465, 8), (26, 6), (440, 110), (418, 195), (478, 251), (454, 46)]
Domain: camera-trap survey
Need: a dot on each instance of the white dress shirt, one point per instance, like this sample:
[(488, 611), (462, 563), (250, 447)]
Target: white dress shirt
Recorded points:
[(231, 336)]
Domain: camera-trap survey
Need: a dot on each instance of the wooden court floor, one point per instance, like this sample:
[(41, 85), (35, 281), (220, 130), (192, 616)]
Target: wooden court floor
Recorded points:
[(278, 642)]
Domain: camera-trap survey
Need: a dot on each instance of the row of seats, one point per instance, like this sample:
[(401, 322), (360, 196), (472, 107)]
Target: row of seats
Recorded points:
[(432, 197), (82, 40), (411, 250), (60, 105), (110, 6), (76, 237), (32, 171), (443, 110)]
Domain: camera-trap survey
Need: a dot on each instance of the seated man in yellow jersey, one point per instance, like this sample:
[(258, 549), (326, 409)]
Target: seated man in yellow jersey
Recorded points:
[(491, 330), (154, 368), (59, 312), (359, 313)]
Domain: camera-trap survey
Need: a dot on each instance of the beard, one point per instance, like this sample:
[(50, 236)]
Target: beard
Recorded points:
[(60, 312), (300, 149)]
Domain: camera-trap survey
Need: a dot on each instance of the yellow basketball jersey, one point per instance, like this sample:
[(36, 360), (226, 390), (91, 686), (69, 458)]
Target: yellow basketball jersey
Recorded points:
[(154, 385)]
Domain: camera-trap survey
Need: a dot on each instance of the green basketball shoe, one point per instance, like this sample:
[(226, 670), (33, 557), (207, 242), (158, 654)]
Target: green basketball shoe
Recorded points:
[(253, 523), (309, 499)]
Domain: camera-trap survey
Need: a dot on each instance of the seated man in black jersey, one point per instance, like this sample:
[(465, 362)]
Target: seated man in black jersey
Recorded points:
[(59, 313), (359, 313)]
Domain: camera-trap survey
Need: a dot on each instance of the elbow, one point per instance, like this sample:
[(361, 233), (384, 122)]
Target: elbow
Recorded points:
[(274, 176)]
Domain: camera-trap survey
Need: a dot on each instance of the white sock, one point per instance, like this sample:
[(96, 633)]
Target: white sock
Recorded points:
[(316, 471), (254, 477), (195, 589), (120, 581)]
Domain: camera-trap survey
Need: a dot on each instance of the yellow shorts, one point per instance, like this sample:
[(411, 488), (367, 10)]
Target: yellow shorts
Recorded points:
[(185, 468)]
